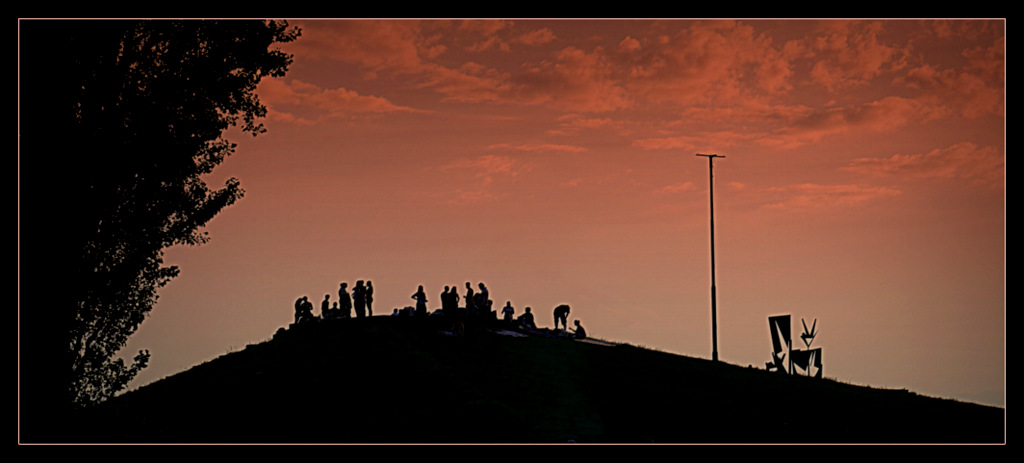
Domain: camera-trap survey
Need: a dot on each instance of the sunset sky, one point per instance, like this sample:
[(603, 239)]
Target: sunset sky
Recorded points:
[(863, 186)]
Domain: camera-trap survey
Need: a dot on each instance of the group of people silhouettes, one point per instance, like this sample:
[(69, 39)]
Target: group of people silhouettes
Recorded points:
[(478, 306), (476, 303), (562, 314), (361, 301)]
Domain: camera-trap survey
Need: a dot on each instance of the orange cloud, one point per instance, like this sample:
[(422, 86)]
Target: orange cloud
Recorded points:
[(488, 167), (629, 45), (574, 80), (699, 64), (536, 37), (723, 70), (877, 116), (374, 46), (704, 142), (963, 160), (675, 188), (470, 83), (486, 170), (977, 90), (484, 27), (486, 35), (315, 103), (485, 165), (540, 148), (488, 30), (818, 197), (850, 53), (774, 73), (574, 123), (412, 50), (684, 143)]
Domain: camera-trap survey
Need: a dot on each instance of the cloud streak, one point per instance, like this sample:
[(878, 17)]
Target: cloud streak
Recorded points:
[(813, 197), (305, 103), (960, 161)]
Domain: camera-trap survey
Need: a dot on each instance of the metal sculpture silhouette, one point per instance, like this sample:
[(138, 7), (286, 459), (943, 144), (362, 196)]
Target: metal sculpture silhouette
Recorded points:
[(785, 359)]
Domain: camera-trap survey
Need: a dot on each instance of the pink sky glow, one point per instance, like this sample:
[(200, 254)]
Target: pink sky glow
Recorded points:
[(863, 186)]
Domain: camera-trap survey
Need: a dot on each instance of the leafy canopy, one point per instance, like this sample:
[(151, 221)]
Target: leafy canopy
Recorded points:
[(133, 115)]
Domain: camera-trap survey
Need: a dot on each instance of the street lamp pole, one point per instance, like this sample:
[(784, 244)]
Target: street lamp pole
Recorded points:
[(714, 301)]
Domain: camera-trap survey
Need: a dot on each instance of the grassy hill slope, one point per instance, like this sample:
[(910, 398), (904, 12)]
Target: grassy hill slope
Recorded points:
[(400, 380)]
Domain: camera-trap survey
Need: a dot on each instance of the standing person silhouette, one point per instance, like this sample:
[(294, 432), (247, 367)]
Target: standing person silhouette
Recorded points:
[(359, 297), (454, 297), (470, 300), (446, 301), (562, 313), (421, 302), (485, 297), (369, 298), (454, 313), (507, 312), (298, 308), (345, 300), (325, 307)]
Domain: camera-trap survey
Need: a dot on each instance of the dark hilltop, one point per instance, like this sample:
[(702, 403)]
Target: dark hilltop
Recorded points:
[(410, 380)]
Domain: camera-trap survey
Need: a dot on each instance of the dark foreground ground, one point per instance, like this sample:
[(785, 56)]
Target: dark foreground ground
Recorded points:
[(402, 380)]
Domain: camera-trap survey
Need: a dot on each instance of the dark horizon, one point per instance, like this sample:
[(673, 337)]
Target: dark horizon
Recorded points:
[(309, 385)]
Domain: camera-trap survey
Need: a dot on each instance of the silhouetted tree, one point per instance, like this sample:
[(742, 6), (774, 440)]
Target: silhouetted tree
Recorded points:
[(119, 121)]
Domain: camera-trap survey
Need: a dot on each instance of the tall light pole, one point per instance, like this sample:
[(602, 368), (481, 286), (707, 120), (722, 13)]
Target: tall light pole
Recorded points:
[(714, 301)]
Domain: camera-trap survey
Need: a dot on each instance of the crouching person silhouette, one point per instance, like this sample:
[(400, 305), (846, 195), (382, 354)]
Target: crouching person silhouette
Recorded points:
[(562, 314)]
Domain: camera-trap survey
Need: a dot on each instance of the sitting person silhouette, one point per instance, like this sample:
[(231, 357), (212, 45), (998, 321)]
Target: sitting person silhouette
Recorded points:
[(580, 332), (526, 320)]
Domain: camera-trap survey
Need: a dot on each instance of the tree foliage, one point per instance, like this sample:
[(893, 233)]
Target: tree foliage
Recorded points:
[(130, 115)]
